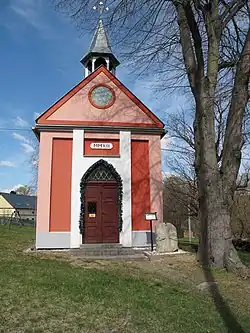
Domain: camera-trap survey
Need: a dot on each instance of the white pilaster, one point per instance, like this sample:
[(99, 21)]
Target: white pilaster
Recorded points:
[(77, 156), (125, 153)]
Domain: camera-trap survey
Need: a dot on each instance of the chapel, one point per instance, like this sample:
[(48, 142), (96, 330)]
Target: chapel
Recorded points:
[(99, 160)]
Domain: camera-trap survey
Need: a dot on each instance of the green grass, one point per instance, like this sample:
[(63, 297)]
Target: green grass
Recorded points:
[(185, 245), (192, 247), (185, 240), (38, 294), (245, 257)]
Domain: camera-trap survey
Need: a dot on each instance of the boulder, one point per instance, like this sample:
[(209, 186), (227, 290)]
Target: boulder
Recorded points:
[(166, 238), (208, 286)]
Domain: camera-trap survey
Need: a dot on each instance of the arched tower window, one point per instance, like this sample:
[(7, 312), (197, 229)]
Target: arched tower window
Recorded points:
[(100, 61), (89, 66)]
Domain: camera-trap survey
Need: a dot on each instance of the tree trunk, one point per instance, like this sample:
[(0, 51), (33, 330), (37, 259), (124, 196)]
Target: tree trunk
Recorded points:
[(216, 248), (214, 219)]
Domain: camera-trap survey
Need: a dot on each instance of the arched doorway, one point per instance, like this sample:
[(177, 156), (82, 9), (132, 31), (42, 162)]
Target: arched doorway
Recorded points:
[(101, 204)]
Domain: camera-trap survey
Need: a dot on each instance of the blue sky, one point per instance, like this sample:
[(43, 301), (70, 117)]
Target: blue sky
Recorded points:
[(40, 61)]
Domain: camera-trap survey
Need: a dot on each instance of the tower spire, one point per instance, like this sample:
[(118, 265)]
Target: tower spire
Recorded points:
[(100, 52), (100, 42)]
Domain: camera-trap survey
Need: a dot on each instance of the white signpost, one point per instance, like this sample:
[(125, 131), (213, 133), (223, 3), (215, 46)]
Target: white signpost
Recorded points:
[(151, 217), (101, 145)]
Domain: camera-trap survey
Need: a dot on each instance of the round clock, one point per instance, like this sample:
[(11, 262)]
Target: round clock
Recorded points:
[(102, 96)]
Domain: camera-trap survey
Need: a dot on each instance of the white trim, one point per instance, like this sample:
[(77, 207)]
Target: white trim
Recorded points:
[(80, 164), (86, 71), (124, 169), (93, 64), (101, 145), (108, 63)]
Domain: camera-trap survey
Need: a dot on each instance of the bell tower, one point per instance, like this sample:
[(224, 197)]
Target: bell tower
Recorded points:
[(100, 52)]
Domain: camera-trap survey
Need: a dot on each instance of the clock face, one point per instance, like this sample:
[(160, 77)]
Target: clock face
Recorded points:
[(102, 96)]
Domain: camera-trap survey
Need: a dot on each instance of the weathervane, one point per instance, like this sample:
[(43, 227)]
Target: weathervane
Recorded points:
[(101, 8)]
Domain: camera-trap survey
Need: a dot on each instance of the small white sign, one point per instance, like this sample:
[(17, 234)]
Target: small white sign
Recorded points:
[(100, 145), (151, 216)]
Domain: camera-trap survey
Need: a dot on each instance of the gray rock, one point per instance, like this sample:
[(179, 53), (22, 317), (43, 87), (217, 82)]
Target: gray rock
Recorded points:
[(166, 238), (206, 286)]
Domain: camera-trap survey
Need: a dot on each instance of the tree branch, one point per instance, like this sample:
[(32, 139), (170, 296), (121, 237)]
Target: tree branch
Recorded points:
[(211, 23), (231, 10), (196, 36), (187, 47), (227, 64), (234, 128)]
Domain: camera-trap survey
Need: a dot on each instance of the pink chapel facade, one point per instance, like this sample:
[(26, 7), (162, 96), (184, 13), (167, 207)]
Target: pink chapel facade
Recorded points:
[(99, 161)]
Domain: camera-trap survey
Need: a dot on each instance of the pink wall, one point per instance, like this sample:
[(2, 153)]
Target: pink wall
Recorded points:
[(155, 166), (60, 194), (140, 184), (44, 173), (44, 178), (78, 107)]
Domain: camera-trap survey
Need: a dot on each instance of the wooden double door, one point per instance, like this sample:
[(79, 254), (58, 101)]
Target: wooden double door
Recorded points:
[(101, 213)]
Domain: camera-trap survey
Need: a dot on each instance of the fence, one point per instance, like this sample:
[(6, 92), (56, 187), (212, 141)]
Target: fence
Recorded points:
[(10, 216)]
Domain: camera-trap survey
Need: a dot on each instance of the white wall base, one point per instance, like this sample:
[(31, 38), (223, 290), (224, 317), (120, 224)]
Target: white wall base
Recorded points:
[(142, 238), (53, 240), (61, 240)]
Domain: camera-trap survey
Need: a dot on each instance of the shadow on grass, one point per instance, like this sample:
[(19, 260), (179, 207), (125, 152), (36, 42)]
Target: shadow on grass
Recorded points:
[(222, 307), (228, 317), (231, 322)]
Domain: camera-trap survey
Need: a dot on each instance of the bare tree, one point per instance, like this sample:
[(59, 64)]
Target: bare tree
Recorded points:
[(33, 164), (181, 189), (24, 189), (203, 45), (179, 203)]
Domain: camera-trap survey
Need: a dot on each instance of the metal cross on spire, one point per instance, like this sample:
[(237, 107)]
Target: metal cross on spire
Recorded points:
[(100, 8)]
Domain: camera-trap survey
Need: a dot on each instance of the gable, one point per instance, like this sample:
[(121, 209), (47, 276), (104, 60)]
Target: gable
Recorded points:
[(4, 204), (75, 107)]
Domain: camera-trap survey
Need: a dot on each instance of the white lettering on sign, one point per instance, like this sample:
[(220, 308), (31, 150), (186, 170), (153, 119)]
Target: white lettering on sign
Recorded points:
[(99, 145)]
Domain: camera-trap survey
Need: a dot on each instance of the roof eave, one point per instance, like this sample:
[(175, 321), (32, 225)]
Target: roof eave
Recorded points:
[(36, 132), (103, 129)]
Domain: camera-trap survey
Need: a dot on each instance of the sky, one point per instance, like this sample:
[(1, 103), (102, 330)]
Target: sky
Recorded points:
[(40, 56)]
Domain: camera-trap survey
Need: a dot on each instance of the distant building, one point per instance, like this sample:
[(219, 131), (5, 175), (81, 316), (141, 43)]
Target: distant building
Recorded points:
[(23, 205)]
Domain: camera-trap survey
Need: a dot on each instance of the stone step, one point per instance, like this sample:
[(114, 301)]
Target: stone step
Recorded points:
[(102, 246), (138, 257), (102, 252)]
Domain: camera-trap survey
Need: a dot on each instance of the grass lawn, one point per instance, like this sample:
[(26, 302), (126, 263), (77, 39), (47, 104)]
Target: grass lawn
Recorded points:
[(245, 257), (185, 245), (192, 247), (53, 293)]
